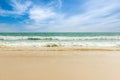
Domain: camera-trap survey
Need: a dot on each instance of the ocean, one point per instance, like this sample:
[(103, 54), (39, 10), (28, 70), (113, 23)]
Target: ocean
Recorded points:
[(59, 39)]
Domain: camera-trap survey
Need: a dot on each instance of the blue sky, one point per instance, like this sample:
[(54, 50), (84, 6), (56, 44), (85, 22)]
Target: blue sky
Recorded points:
[(59, 15)]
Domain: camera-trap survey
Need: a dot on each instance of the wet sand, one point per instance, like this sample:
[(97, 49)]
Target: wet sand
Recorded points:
[(59, 64)]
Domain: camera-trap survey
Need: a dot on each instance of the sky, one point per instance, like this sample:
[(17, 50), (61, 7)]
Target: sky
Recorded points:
[(59, 15)]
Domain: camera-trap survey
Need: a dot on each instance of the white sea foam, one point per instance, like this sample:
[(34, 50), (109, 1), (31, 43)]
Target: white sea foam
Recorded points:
[(43, 41), (59, 38), (64, 44)]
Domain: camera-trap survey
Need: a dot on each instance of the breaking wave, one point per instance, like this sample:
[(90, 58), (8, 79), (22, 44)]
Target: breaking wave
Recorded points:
[(59, 38)]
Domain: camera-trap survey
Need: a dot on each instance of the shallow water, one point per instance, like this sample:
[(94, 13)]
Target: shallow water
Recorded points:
[(61, 39)]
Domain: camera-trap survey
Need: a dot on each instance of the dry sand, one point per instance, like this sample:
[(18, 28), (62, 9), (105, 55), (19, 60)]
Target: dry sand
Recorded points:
[(60, 64)]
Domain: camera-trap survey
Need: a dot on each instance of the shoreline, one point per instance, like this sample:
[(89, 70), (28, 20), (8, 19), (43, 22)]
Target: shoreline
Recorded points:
[(4, 48), (58, 51)]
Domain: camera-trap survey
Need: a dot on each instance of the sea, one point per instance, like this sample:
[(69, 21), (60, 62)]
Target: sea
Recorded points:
[(60, 39)]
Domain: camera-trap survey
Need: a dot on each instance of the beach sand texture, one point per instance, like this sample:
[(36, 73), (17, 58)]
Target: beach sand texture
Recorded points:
[(59, 64)]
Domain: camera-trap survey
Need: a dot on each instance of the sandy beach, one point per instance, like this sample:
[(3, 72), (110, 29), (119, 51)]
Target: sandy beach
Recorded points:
[(59, 64), (59, 39)]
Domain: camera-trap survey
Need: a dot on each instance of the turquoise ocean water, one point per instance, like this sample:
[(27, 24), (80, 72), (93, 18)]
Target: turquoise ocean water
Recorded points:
[(87, 39)]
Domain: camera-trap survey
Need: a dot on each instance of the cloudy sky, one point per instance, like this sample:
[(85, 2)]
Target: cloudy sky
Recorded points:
[(59, 15)]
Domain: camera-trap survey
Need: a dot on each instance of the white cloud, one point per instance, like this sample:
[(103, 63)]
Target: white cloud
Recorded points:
[(39, 14), (55, 3), (99, 15), (8, 27), (19, 8), (60, 3), (42, 17)]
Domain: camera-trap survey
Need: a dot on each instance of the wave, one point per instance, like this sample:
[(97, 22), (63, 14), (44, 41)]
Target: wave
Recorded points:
[(59, 38), (62, 44), (56, 41)]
